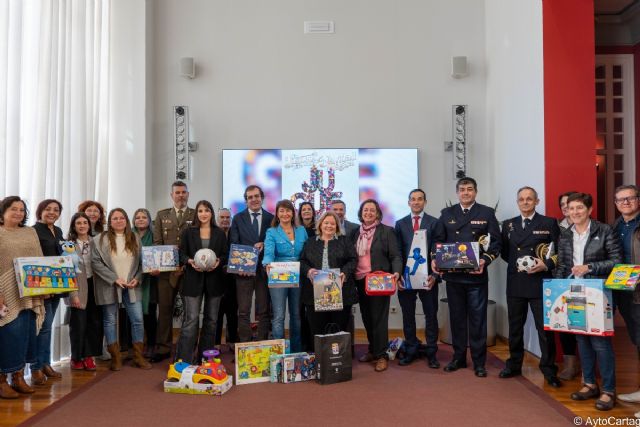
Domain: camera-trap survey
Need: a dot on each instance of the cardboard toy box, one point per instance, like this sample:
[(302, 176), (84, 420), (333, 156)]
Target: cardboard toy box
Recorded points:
[(577, 306), (284, 274), (185, 382), (461, 256), (161, 258), (623, 277), (45, 275), (243, 259)]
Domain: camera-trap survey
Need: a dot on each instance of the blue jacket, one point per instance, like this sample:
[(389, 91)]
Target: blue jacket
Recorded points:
[(277, 246)]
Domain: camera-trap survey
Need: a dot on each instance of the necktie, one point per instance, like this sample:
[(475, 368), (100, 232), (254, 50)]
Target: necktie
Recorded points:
[(416, 223), (527, 221), (180, 216), (255, 224), (465, 211)]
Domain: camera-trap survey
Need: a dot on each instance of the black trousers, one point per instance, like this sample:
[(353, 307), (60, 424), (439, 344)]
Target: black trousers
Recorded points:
[(85, 328), (375, 316), (245, 287), (568, 343), (518, 309), (319, 320), (429, 300), (623, 300), (151, 325), (228, 308), (468, 318)]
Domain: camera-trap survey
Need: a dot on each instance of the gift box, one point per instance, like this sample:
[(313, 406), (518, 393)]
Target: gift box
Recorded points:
[(578, 306), (461, 256), (284, 274), (45, 275), (160, 258), (379, 283), (243, 259), (623, 277)]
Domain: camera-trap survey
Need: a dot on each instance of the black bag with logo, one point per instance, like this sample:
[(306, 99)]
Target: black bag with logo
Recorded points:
[(333, 357)]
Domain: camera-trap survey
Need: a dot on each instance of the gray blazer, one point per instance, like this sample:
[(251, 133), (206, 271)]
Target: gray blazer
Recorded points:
[(83, 288), (104, 276)]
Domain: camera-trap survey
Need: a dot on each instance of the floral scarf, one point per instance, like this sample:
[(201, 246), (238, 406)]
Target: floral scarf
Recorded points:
[(365, 238)]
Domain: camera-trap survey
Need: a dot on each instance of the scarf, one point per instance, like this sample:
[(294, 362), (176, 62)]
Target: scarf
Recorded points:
[(365, 238)]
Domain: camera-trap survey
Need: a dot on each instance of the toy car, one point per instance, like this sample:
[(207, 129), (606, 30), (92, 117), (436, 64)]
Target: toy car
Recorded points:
[(208, 378)]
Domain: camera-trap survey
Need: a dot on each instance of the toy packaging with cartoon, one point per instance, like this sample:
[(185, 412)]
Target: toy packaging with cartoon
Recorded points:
[(284, 274), (623, 277), (253, 364), (379, 283), (161, 258), (416, 270), (243, 259), (461, 256), (394, 345), (327, 290), (45, 275), (210, 378), (292, 368), (578, 306)]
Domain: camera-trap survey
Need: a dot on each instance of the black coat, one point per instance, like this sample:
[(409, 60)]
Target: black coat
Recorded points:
[(384, 252), (518, 242), (602, 251), (342, 255), (49, 243), (195, 282), (479, 222)]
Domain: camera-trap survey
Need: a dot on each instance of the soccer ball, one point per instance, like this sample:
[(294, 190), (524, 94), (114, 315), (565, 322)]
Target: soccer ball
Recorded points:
[(525, 263), (205, 259)]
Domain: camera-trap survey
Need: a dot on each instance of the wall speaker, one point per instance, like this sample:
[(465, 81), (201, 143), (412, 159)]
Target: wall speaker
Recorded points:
[(181, 140), (459, 67), (187, 67), (459, 141)]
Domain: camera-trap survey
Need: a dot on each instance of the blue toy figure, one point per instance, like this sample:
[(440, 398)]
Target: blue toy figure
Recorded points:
[(69, 249)]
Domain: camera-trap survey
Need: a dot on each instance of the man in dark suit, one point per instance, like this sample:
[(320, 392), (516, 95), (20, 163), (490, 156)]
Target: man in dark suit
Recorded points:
[(347, 227), (167, 229), (229, 303), (468, 292), (405, 229), (529, 235), (249, 227)]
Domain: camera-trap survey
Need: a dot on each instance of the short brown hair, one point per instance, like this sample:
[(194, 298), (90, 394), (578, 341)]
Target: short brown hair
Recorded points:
[(323, 217), (43, 205), (99, 225), (6, 203), (584, 198), (287, 204), (378, 210)]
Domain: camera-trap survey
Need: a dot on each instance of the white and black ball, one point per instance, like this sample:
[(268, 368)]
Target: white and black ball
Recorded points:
[(525, 263), (205, 259)]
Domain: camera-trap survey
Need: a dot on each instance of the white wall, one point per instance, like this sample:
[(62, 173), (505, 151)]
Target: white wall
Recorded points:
[(382, 80)]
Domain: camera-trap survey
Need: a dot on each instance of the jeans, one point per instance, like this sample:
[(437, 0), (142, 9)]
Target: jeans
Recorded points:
[(43, 341), (279, 298), (598, 349), (189, 331), (134, 312), (18, 342)]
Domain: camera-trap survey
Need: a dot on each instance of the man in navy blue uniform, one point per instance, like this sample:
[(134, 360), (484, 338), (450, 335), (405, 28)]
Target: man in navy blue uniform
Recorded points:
[(405, 229), (468, 292), (249, 227), (528, 242)]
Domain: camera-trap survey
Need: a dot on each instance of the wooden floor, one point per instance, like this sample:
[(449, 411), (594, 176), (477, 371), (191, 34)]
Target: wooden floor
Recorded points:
[(13, 412)]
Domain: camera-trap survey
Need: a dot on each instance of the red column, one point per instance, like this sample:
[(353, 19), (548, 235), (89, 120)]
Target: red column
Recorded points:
[(569, 99)]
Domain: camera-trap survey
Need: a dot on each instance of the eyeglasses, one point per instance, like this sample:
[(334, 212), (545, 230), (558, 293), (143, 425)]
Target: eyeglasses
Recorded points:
[(625, 200)]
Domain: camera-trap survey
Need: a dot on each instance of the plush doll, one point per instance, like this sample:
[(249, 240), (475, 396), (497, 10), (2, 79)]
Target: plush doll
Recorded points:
[(69, 249)]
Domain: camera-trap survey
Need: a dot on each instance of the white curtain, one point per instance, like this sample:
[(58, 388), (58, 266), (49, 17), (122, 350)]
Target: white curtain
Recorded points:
[(54, 106)]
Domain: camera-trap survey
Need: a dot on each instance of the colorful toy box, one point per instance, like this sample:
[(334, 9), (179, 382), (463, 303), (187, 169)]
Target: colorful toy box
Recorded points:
[(45, 275), (578, 306), (379, 283), (160, 258), (327, 290), (623, 277), (243, 259), (276, 365), (253, 363), (209, 378), (461, 256), (284, 274)]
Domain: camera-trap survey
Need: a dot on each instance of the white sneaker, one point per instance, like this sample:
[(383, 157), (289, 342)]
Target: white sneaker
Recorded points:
[(637, 414), (630, 397)]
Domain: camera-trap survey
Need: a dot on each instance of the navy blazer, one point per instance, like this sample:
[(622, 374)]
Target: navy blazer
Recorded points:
[(196, 283), (404, 235), (242, 233)]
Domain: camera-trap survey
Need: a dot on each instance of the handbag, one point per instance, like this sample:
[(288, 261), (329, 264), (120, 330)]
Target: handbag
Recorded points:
[(379, 283)]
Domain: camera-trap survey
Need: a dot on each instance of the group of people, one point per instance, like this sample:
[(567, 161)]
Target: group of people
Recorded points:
[(111, 277)]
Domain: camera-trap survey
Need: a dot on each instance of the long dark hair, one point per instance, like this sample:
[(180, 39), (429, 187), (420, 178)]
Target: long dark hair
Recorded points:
[(73, 234), (208, 205), (313, 218), (131, 243), (148, 214), (6, 203)]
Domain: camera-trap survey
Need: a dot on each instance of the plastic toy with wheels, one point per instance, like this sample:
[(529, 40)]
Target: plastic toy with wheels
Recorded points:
[(208, 378)]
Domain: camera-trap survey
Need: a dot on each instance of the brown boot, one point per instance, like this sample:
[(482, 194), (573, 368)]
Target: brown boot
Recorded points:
[(138, 358), (6, 392), (569, 368), (38, 377), (19, 384), (50, 373), (116, 359)]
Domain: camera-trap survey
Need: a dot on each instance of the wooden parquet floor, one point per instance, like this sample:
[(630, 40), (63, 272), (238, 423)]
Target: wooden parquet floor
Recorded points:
[(13, 412)]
